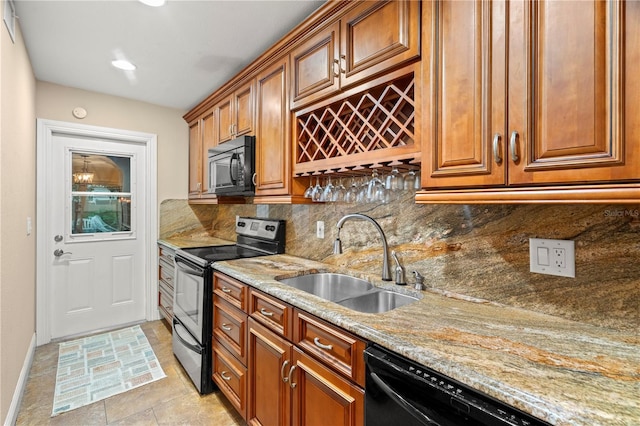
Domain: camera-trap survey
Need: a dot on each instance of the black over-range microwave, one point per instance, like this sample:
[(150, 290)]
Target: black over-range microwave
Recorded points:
[(231, 167)]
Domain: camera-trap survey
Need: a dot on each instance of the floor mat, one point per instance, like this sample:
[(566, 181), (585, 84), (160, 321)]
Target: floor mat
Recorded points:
[(97, 367)]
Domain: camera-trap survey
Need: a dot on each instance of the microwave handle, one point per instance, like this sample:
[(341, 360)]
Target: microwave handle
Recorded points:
[(234, 156)]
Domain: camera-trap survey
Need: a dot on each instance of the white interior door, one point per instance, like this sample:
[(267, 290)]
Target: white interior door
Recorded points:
[(96, 233)]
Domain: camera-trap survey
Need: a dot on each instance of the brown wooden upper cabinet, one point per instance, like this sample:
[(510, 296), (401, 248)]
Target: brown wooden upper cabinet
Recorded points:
[(368, 39), (522, 92), (201, 138), (273, 135), (235, 114)]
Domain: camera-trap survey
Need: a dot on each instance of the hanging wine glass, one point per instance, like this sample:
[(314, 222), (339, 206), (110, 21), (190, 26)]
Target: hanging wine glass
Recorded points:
[(339, 192), (317, 191), (309, 192), (375, 188), (410, 181), (352, 193), (327, 194), (395, 183)]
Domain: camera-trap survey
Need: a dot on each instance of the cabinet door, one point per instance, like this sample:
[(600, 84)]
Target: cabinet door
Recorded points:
[(322, 397), (208, 141), (464, 86), (224, 120), (273, 151), (315, 67), (376, 36), (567, 91), (243, 110), (268, 367), (195, 160)]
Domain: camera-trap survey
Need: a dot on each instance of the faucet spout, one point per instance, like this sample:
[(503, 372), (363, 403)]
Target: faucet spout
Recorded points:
[(337, 248)]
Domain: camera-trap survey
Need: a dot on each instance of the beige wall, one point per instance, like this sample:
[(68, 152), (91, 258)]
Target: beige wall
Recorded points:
[(17, 202), (55, 102)]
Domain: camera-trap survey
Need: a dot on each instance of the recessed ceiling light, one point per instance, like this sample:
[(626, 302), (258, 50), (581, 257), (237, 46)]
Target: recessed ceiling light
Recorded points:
[(153, 3), (123, 65)]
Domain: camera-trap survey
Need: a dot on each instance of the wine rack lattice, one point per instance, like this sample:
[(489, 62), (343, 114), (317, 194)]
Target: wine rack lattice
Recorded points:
[(377, 120)]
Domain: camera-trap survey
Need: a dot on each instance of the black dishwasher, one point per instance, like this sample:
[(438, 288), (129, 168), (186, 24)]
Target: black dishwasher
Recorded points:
[(402, 392)]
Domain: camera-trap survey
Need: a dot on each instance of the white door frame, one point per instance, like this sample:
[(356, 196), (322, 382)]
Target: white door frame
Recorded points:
[(45, 132)]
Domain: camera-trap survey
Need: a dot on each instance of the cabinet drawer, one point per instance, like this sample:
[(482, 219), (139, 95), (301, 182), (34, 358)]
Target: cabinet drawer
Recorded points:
[(230, 327), (166, 254), (165, 303), (271, 312), (231, 377), (231, 290), (166, 274), (338, 349)]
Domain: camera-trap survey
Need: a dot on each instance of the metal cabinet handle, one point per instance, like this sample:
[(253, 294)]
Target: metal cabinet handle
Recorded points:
[(512, 147), (266, 313), (224, 375), (254, 178), (226, 290), (292, 384), (344, 69), (316, 341), (226, 327), (60, 252), (496, 148), (336, 73), (282, 376)]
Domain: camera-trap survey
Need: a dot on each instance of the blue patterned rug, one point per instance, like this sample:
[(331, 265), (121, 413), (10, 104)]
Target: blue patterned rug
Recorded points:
[(97, 367)]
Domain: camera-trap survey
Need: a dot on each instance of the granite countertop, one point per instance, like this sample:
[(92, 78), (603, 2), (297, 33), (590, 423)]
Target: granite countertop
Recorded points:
[(561, 371), (193, 240)]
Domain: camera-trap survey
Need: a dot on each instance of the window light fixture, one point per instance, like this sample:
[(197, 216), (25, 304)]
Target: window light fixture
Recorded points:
[(123, 64)]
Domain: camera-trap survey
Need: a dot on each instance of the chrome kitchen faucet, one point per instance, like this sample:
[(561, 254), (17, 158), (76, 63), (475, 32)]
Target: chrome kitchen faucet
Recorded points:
[(337, 245)]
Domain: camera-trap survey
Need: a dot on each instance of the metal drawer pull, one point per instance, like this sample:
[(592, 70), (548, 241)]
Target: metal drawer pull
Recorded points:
[(226, 290), (496, 148), (224, 376), (291, 383), (512, 147), (284, 365), (336, 62), (266, 313), (316, 340), (226, 327)]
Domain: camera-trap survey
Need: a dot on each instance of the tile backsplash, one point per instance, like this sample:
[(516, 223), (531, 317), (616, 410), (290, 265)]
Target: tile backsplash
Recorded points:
[(476, 250)]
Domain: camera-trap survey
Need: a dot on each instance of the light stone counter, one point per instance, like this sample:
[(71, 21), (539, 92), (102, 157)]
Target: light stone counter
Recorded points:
[(564, 372)]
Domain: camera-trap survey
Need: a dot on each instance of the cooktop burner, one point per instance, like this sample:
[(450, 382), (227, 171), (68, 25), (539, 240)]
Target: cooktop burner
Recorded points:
[(217, 253), (255, 237)]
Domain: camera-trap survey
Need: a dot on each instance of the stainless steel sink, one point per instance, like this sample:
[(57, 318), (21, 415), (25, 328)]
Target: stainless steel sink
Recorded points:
[(329, 286), (350, 292), (377, 301)]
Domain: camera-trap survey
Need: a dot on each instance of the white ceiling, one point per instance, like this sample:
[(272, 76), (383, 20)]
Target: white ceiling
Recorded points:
[(183, 50)]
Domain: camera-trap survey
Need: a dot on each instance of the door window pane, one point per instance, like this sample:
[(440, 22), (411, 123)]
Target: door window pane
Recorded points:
[(100, 193)]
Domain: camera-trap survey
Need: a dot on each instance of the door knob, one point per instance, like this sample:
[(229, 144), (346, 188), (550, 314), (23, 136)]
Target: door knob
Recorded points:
[(60, 252)]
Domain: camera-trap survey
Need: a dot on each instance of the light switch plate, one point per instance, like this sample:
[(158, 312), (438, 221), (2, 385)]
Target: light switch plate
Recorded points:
[(552, 257)]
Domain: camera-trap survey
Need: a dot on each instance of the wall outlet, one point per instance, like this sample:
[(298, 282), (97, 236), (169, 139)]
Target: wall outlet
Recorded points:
[(552, 257), (320, 229)]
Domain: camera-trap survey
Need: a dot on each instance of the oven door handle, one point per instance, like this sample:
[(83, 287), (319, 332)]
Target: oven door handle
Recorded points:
[(234, 156), (187, 270), (398, 399), (194, 348)]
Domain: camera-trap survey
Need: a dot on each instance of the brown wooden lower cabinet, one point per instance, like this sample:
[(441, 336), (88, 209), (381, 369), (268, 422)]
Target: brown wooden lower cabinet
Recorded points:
[(280, 366), (288, 387)]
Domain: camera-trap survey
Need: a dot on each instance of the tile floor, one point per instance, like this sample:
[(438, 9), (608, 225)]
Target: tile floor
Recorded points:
[(169, 401)]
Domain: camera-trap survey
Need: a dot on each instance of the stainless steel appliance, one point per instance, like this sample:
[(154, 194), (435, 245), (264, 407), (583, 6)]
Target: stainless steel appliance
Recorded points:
[(231, 167), (401, 392), (193, 291)]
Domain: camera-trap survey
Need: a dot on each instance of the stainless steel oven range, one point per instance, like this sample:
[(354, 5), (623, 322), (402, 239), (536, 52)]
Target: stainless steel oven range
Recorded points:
[(193, 291)]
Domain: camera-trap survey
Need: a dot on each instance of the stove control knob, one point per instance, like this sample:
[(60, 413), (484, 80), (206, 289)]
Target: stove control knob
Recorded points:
[(270, 228), (242, 224)]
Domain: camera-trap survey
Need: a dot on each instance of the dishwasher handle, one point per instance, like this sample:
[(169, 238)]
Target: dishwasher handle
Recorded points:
[(398, 399)]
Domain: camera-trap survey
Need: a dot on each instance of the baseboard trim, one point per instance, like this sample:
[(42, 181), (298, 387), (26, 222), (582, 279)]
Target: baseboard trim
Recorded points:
[(12, 415)]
